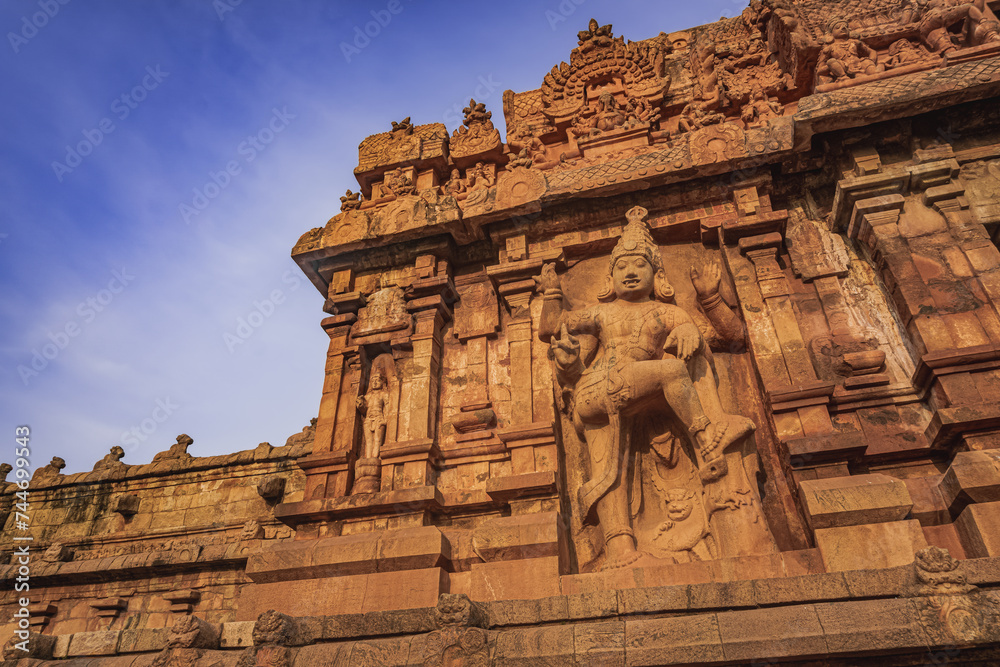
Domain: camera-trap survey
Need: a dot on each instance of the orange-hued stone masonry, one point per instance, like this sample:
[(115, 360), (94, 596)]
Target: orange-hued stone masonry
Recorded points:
[(699, 363)]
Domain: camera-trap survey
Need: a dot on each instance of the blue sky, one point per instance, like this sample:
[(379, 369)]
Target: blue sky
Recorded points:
[(159, 160)]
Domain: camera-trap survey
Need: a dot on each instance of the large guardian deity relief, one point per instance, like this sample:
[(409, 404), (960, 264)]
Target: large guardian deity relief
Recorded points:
[(662, 457)]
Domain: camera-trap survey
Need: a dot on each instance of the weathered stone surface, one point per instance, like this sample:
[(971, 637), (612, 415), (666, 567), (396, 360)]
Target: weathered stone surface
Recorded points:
[(812, 587), (854, 500), (93, 643), (972, 477), (543, 646), (518, 537), (977, 526), (776, 632), (516, 580), (869, 625), (236, 634), (871, 546), (691, 639), (142, 640)]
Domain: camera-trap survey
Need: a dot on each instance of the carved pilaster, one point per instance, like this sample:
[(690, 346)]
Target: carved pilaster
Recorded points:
[(328, 469)]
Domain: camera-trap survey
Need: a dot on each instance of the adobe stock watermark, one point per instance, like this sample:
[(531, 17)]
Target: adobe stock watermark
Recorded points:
[(363, 35), (453, 115), (22, 522), (140, 433), (31, 25), (87, 310), (122, 107), (223, 7), (261, 313), (248, 149), (562, 12)]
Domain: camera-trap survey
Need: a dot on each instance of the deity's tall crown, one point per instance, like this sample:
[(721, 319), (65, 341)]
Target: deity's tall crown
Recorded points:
[(636, 240)]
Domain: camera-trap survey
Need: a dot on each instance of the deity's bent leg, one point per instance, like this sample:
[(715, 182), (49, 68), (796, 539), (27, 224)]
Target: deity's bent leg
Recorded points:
[(712, 431), (669, 376), (706, 386)]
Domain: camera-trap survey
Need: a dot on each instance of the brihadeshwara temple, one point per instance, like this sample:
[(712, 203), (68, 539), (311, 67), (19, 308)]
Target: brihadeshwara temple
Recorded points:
[(699, 364)]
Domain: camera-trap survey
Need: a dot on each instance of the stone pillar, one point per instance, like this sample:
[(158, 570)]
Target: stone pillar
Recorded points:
[(529, 434), (329, 466)]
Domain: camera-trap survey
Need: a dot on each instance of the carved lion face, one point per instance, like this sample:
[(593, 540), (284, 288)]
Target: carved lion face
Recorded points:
[(678, 510)]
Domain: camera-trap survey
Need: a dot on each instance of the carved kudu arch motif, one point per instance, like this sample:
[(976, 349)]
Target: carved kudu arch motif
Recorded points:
[(601, 59)]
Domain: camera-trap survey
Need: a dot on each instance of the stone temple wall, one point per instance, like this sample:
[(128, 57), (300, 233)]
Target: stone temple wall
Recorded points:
[(700, 364)]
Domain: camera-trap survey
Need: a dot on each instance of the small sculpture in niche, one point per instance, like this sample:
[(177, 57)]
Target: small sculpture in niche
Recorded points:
[(903, 52), (695, 115), (620, 377), (455, 185), (397, 183), (374, 407), (350, 201), (845, 57), (759, 109), (945, 25), (526, 148), (480, 176)]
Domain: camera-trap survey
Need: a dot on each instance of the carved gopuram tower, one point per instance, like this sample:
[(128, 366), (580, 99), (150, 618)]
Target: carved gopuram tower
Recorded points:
[(700, 364)]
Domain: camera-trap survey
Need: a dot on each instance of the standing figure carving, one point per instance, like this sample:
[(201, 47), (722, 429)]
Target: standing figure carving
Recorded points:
[(374, 406), (647, 348)]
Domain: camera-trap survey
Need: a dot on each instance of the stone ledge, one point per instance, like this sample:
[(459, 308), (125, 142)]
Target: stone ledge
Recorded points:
[(363, 553), (847, 629), (153, 563), (854, 500)]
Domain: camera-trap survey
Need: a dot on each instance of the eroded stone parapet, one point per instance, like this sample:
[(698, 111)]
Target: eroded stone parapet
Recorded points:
[(855, 500)]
